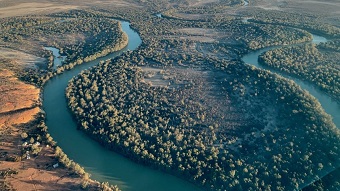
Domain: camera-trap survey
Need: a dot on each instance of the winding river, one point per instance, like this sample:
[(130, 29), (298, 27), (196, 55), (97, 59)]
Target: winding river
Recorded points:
[(329, 105), (101, 164), (111, 167)]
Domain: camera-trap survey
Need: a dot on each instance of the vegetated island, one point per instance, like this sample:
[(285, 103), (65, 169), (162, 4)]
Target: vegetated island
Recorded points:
[(175, 123), (27, 148), (163, 127), (178, 102), (317, 64)]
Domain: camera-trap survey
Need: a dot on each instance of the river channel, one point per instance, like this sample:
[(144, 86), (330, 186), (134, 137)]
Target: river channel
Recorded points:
[(111, 167), (329, 105), (57, 58), (103, 165)]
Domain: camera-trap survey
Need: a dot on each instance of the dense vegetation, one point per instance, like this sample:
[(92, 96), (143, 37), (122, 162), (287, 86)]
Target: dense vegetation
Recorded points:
[(34, 140), (259, 36), (282, 140), (271, 144), (100, 34), (157, 5), (329, 182), (309, 62), (114, 105), (81, 36), (305, 21)]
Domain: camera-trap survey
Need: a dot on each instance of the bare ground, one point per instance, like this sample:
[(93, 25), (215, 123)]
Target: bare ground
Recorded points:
[(310, 6), (19, 104), (206, 92), (32, 8), (9, 8), (16, 95), (36, 173), (197, 3), (327, 9), (19, 58), (199, 34)]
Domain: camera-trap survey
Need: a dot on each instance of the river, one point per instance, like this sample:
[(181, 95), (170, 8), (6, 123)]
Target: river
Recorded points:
[(103, 165), (57, 58), (329, 105), (245, 3), (111, 167)]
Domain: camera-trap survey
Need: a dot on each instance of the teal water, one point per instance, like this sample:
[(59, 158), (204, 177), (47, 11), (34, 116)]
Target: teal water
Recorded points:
[(103, 165), (58, 59), (329, 105), (110, 167)]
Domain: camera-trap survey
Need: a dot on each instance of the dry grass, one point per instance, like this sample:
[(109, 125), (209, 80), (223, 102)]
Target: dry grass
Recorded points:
[(10, 8), (36, 173), (19, 106), (18, 58), (327, 7), (200, 34), (324, 7), (267, 4), (19, 103), (32, 8), (326, 10), (16, 95), (198, 3)]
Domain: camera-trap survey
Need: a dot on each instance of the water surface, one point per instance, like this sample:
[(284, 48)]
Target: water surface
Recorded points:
[(108, 166), (329, 104), (57, 58), (102, 164)]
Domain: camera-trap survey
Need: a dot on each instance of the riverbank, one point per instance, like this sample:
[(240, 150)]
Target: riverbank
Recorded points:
[(159, 53), (20, 105), (27, 151), (330, 105), (137, 132), (93, 157)]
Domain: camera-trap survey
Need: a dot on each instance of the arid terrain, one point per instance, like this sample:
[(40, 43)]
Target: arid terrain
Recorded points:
[(20, 8), (19, 105), (20, 102)]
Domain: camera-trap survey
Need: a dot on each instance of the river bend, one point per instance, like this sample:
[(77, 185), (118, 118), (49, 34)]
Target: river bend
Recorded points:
[(329, 105), (103, 165), (111, 167)]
